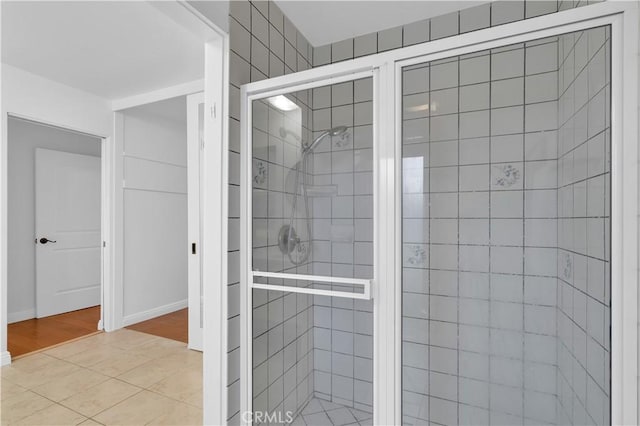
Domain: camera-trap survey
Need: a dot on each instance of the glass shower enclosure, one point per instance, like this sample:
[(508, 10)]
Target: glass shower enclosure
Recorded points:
[(312, 253), (428, 233)]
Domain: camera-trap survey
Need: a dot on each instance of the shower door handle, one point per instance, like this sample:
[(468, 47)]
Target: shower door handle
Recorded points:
[(364, 283)]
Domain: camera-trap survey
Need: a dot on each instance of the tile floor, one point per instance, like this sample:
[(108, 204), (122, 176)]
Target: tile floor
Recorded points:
[(319, 412), (124, 378)]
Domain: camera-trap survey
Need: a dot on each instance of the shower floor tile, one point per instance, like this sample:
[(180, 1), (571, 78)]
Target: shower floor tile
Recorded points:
[(319, 412)]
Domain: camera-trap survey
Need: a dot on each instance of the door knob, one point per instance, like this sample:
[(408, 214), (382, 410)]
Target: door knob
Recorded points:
[(46, 240)]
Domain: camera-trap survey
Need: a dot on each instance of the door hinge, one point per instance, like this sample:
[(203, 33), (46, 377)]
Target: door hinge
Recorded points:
[(193, 248), (104, 244)]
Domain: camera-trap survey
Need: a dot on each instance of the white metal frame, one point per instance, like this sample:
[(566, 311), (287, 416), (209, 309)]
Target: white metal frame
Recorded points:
[(366, 284), (262, 90), (623, 18)]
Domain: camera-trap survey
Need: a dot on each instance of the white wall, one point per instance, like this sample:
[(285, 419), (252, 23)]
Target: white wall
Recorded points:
[(24, 138), (154, 211), (44, 100)]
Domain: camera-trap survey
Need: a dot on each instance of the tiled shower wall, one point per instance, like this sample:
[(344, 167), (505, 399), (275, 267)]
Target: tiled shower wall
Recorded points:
[(282, 322), (479, 233), (584, 297), (260, 49), (466, 20), (343, 242), (263, 44)]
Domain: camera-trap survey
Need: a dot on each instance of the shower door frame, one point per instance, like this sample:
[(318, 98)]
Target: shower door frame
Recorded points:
[(279, 86), (386, 68), (622, 17)]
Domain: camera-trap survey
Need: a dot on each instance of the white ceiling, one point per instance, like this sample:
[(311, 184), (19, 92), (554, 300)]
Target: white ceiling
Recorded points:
[(111, 49), (324, 22)]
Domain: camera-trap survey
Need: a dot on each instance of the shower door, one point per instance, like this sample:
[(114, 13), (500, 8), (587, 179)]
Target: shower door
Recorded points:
[(506, 290), (310, 259)]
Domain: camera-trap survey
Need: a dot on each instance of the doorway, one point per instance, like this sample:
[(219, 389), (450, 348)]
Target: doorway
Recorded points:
[(54, 237), (161, 218)]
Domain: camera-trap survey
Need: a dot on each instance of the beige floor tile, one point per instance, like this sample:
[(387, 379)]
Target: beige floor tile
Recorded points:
[(152, 372), (30, 373), (159, 347), (8, 389), (53, 415), (188, 358), (183, 385), (139, 409), (31, 362), (182, 414), (100, 397), (90, 422), (115, 366), (21, 406), (68, 350), (95, 355), (77, 375), (69, 385), (124, 339)]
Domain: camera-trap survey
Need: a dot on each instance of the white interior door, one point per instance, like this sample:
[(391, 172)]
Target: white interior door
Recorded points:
[(195, 136), (68, 272)]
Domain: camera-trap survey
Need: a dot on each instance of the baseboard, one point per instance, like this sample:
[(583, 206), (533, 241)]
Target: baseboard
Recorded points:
[(155, 312), (20, 316), (5, 358)]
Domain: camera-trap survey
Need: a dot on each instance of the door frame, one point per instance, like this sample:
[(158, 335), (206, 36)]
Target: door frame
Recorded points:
[(194, 234), (106, 159), (623, 19), (284, 85), (214, 204), (117, 318)]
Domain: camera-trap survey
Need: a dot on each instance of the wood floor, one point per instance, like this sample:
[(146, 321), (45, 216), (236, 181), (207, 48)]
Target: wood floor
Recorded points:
[(173, 326), (31, 335)]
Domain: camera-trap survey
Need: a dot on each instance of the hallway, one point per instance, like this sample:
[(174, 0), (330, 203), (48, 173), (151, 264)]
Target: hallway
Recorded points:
[(124, 378)]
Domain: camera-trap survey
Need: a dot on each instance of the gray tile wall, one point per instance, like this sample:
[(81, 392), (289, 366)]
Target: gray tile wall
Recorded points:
[(584, 298), (343, 242), (282, 322), (479, 237), (264, 43), (467, 20)]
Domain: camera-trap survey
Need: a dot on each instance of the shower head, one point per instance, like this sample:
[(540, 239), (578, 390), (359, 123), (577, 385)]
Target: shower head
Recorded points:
[(336, 131)]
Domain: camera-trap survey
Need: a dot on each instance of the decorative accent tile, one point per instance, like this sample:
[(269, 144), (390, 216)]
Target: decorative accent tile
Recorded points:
[(415, 255), (343, 140), (567, 267), (260, 172), (506, 175)]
